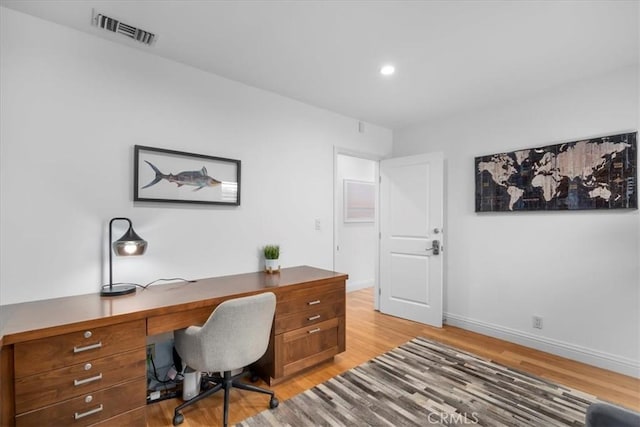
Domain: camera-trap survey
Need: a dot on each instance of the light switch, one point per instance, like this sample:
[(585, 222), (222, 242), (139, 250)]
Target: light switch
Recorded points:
[(317, 224)]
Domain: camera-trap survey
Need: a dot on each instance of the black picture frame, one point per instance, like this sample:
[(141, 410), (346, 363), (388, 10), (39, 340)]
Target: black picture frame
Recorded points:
[(161, 175), (590, 173)]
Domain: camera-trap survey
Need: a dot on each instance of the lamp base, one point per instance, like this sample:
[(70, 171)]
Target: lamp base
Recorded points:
[(116, 290)]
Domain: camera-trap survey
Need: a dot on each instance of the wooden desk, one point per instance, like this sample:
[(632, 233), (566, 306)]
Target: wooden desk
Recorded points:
[(84, 356)]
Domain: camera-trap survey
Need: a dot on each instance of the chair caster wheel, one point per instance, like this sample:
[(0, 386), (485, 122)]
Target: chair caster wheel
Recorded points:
[(178, 419), (254, 377), (273, 403)]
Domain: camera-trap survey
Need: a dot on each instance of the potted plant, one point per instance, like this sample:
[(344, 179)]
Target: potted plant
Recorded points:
[(271, 258)]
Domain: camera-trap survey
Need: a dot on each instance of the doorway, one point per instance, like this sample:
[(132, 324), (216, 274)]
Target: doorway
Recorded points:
[(404, 264), (356, 218)]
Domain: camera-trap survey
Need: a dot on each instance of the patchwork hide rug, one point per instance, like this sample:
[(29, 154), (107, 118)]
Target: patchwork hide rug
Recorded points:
[(424, 383)]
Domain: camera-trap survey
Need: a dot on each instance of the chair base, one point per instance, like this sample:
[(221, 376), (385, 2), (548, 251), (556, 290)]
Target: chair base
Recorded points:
[(226, 383)]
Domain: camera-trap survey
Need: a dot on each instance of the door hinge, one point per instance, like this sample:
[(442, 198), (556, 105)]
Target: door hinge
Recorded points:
[(379, 290), (380, 178), (379, 234)]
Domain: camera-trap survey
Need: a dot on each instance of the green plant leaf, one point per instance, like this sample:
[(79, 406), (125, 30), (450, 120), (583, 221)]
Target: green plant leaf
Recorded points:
[(271, 251)]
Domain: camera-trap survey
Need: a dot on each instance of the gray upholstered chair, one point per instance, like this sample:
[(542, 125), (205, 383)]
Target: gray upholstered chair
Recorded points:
[(235, 336), (602, 414)]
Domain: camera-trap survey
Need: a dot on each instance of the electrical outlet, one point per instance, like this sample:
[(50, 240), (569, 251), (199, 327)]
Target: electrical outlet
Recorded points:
[(537, 322), (151, 351)]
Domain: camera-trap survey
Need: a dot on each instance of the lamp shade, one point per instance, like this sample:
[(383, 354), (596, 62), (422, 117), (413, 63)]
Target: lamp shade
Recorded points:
[(130, 244)]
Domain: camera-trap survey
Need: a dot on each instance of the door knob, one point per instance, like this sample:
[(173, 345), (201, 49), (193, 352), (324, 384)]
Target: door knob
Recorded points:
[(435, 247)]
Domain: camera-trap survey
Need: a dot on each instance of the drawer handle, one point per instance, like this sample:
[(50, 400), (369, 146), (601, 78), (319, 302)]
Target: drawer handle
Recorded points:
[(316, 317), (314, 302), (87, 380), (77, 416), (87, 347), (313, 331)]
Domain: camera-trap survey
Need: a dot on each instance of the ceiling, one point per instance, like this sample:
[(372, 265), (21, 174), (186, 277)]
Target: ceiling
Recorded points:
[(449, 55)]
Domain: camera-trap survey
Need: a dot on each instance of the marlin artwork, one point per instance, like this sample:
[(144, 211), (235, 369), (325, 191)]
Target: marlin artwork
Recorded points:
[(198, 179)]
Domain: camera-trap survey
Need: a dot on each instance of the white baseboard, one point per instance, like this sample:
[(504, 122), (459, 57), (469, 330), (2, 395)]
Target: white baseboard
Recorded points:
[(589, 356), (360, 284)]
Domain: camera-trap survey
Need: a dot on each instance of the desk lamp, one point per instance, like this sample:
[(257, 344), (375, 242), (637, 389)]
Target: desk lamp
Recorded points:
[(129, 244)]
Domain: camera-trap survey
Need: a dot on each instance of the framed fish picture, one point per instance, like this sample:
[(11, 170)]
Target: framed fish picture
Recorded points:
[(161, 175)]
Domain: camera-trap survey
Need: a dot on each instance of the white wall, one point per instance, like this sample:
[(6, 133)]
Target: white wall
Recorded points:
[(578, 270), (72, 108), (356, 240)]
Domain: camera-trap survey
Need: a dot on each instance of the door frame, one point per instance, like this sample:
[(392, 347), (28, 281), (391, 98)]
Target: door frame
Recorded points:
[(337, 150)]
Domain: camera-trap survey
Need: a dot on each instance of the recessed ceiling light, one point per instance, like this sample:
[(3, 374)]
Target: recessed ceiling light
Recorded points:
[(387, 70)]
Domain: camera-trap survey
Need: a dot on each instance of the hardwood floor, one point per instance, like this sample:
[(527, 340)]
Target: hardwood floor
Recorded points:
[(370, 333)]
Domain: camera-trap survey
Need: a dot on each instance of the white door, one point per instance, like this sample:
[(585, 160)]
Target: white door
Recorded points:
[(411, 199)]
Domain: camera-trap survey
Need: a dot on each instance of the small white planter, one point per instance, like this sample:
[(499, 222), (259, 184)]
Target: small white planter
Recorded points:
[(272, 265)]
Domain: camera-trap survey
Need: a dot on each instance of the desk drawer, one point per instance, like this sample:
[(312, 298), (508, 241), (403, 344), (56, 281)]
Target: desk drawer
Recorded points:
[(43, 389), (45, 354), (89, 408), (314, 299), (135, 418), (178, 320), (310, 316), (306, 347)]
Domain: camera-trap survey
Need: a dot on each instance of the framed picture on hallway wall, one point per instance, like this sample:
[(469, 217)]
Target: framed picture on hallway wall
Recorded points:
[(162, 175), (359, 201)]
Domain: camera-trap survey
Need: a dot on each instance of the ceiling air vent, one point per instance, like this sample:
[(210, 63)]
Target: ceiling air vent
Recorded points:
[(115, 26)]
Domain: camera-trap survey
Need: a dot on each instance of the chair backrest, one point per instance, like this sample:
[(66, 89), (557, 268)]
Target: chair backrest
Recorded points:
[(235, 335)]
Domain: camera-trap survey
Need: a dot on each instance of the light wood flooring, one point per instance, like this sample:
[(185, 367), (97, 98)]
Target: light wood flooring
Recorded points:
[(370, 333)]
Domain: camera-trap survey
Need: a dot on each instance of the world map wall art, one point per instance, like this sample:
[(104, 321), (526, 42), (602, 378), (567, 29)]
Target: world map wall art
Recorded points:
[(596, 173)]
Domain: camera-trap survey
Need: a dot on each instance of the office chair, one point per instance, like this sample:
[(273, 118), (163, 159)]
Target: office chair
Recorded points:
[(603, 414), (235, 335)]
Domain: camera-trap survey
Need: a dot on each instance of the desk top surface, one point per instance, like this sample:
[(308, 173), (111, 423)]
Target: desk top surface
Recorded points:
[(30, 320)]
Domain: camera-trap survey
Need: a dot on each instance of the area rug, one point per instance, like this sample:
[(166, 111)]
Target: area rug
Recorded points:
[(423, 383)]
